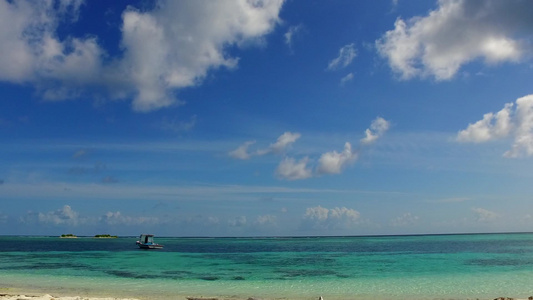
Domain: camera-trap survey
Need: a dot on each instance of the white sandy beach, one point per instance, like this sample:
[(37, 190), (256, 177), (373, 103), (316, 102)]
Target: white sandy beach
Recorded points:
[(50, 297)]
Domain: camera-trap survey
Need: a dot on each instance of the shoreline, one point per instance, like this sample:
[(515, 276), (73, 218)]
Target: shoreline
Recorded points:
[(28, 295), (85, 290)]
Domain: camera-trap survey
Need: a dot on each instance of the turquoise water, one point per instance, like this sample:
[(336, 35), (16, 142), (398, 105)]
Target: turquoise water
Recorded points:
[(397, 267)]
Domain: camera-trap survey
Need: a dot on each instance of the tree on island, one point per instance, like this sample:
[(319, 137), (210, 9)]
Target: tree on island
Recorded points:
[(69, 235), (105, 236)]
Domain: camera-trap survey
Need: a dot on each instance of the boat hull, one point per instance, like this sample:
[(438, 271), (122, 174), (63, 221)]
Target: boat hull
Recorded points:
[(146, 241), (149, 246)]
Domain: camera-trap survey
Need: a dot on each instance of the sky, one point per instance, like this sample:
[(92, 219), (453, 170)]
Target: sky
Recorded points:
[(265, 118)]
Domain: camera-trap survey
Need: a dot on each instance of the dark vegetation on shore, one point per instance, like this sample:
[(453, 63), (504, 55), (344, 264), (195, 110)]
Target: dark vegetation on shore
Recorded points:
[(105, 236), (68, 235), (98, 236)]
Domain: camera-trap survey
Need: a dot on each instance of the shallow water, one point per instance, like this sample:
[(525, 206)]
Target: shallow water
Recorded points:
[(400, 267)]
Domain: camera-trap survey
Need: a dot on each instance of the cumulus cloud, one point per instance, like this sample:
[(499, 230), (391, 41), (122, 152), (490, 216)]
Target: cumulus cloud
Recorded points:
[(291, 169), (333, 162), (65, 215), (377, 128), (345, 58), (288, 168), (336, 218), (523, 134), (491, 127), (456, 33), (484, 215), (170, 47), (32, 52), (176, 44), (517, 123)]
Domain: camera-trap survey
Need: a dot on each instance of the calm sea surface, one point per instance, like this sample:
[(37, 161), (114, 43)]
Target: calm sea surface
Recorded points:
[(398, 267)]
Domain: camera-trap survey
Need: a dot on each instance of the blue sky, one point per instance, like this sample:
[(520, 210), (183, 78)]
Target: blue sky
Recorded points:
[(252, 118)]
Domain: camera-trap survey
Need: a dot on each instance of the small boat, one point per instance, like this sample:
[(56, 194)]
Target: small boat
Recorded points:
[(146, 241)]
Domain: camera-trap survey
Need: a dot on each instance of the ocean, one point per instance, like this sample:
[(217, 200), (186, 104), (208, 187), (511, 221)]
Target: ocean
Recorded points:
[(477, 266)]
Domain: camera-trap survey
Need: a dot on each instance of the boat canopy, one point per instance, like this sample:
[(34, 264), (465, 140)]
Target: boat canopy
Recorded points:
[(146, 238)]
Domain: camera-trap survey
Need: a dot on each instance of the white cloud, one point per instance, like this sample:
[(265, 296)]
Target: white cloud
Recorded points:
[(281, 144), (31, 51), (456, 33), (284, 141), (345, 58), (484, 215), (165, 49), (505, 123), (406, 219), (489, 128), (176, 44), (523, 135), (291, 169), (333, 162), (329, 163), (317, 213), (65, 215), (347, 78), (336, 218), (242, 151), (377, 128), (291, 33)]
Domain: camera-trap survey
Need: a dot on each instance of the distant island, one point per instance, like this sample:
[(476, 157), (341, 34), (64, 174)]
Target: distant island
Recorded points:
[(105, 236), (68, 236)]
